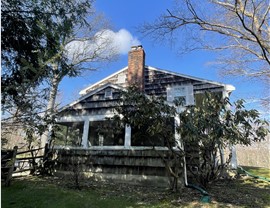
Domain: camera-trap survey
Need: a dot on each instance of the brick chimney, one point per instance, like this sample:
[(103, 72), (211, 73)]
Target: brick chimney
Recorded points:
[(136, 62)]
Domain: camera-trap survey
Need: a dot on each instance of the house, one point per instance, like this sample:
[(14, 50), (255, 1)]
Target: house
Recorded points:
[(109, 153)]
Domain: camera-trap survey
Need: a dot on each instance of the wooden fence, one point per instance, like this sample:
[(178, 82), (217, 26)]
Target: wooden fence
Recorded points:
[(13, 162)]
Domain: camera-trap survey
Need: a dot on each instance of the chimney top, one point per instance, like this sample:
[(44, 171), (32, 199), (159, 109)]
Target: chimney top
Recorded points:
[(136, 47)]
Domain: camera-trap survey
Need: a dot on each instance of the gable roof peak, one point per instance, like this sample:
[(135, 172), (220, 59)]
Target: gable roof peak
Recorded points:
[(87, 89), (88, 94)]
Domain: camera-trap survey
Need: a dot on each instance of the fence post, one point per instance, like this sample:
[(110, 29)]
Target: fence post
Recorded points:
[(33, 162), (46, 151), (11, 167)]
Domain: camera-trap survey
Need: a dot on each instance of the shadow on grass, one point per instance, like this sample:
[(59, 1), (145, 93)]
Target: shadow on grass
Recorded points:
[(242, 192), (52, 192), (237, 193)]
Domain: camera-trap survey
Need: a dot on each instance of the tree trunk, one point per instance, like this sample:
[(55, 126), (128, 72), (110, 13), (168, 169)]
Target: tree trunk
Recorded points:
[(51, 106), (53, 93)]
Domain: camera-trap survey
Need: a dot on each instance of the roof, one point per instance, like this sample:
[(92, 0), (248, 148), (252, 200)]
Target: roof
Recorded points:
[(106, 82), (90, 94), (228, 87), (84, 91)]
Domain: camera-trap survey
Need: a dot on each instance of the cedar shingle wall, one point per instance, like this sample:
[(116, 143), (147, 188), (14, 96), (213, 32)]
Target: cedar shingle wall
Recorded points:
[(137, 162)]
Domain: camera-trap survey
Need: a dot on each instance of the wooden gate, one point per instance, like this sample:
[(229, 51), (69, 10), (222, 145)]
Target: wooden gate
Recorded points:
[(13, 162)]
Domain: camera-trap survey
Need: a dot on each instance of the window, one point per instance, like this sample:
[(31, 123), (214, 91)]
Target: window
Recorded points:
[(106, 133), (182, 94), (121, 79), (108, 93), (180, 100), (69, 133)]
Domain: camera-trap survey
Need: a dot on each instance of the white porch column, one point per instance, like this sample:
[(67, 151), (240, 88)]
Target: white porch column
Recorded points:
[(234, 158), (85, 133), (127, 136), (176, 134)]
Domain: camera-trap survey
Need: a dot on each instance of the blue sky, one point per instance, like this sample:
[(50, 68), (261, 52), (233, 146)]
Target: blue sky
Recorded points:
[(128, 15)]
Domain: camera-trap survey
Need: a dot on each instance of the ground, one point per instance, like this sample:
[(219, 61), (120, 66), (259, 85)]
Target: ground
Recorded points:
[(33, 191)]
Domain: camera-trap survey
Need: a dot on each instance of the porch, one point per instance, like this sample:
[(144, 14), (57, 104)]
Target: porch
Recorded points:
[(107, 152), (100, 132)]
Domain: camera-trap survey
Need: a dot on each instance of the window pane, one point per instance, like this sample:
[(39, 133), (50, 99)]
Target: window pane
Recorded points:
[(106, 133), (180, 100), (69, 133)]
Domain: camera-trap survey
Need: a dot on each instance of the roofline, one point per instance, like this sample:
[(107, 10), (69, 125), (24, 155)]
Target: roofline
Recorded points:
[(89, 94), (186, 76), (227, 86), (84, 91)]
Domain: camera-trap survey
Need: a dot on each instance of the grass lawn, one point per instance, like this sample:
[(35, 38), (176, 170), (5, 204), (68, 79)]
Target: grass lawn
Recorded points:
[(37, 192), (50, 192), (263, 172)]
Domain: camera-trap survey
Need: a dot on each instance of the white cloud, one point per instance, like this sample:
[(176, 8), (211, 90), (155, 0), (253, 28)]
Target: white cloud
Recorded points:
[(105, 43), (123, 40)]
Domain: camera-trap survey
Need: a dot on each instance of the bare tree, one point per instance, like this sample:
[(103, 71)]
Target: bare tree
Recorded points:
[(84, 51), (40, 38), (82, 54), (239, 29)]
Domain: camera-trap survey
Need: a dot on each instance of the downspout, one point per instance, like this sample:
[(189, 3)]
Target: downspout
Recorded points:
[(228, 89), (205, 196)]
